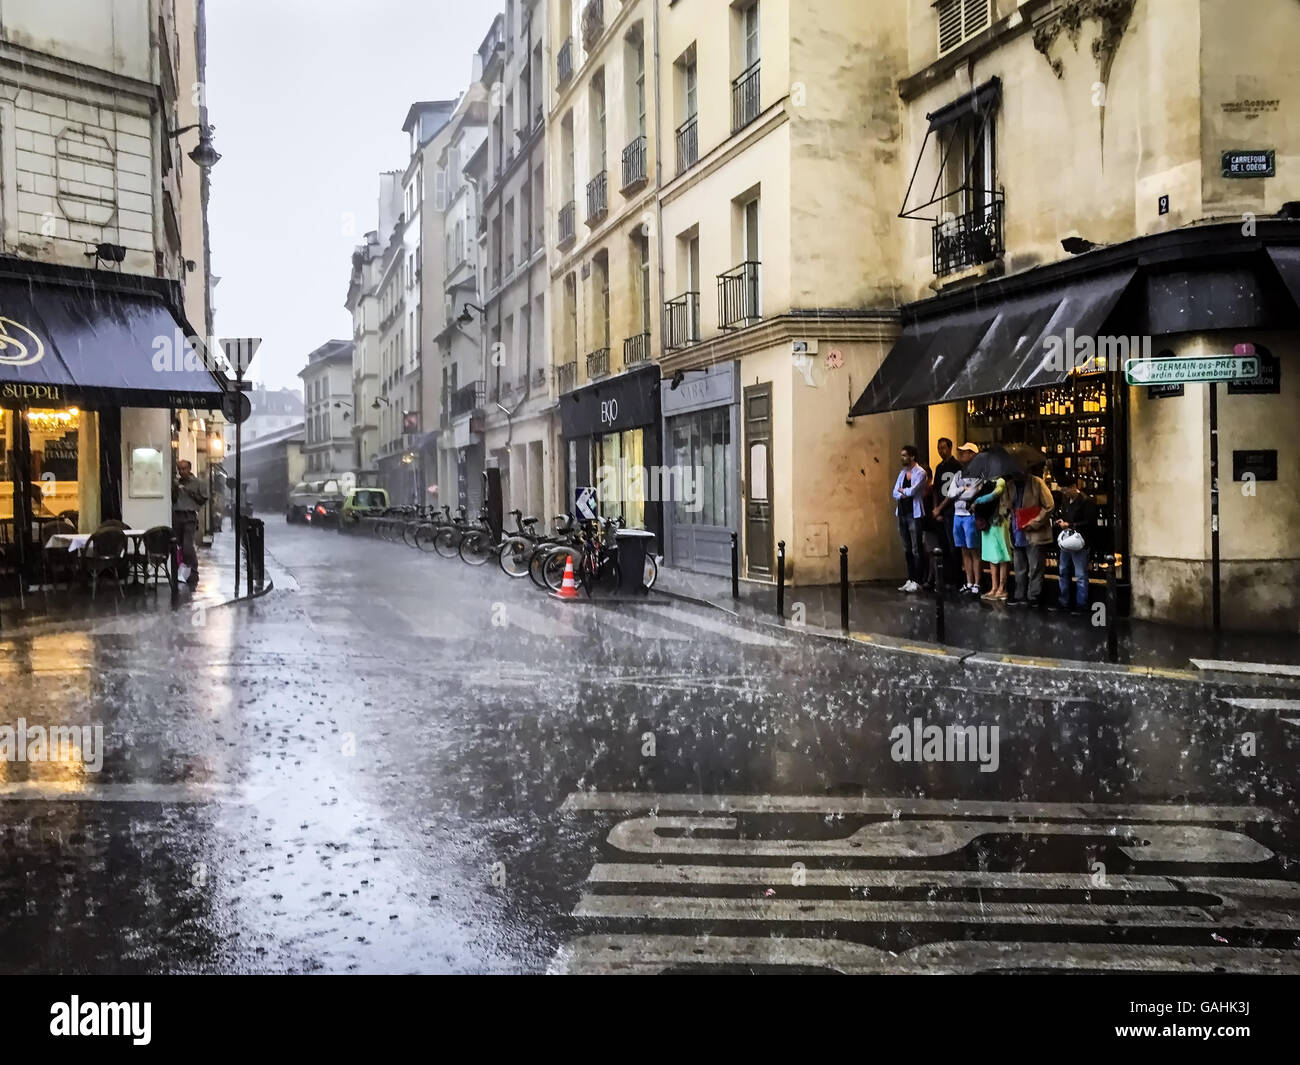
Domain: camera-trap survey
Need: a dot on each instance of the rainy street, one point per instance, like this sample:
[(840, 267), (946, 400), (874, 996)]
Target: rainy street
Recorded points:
[(396, 763)]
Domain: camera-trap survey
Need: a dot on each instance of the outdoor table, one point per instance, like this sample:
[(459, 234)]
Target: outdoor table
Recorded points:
[(76, 542)]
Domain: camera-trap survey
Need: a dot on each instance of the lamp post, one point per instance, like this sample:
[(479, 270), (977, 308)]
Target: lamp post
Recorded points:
[(239, 353)]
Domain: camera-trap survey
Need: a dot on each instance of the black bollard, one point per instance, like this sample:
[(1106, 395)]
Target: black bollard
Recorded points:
[(735, 566), (844, 588), (780, 578), (940, 620), (1112, 612)]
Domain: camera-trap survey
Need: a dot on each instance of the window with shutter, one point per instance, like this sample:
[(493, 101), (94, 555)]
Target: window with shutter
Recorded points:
[(960, 20)]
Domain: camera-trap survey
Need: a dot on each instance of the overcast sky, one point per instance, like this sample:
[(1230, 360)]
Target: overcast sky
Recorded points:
[(308, 99)]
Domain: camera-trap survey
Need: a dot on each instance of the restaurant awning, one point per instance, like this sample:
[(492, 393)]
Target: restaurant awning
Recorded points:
[(1287, 260), (995, 345), (87, 344)]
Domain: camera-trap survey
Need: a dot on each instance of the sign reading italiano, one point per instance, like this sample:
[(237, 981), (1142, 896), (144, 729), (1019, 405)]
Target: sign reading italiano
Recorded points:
[(1176, 371)]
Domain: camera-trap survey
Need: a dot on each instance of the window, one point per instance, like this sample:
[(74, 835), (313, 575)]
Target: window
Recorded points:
[(599, 158), (752, 48), (635, 67), (643, 249), (702, 448), (571, 316), (960, 20), (690, 75), (600, 282)]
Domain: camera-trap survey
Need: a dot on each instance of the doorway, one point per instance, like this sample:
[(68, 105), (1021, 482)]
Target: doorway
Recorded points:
[(759, 545)]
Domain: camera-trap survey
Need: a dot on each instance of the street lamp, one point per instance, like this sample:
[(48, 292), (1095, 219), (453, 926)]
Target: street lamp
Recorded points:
[(465, 317), (205, 156)]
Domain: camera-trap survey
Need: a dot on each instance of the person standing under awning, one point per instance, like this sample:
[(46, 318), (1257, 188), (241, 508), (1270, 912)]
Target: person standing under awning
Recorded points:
[(187, 498), (909, 492)]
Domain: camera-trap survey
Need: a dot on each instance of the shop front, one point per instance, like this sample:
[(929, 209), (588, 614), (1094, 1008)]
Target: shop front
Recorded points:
[(1043, 359), (91, 368), (701, 432), (611, 434)]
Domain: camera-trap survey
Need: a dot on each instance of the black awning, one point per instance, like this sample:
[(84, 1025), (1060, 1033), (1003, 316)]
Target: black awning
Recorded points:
[(1287, 261), (981, 101), (993, 346), (61, 344)]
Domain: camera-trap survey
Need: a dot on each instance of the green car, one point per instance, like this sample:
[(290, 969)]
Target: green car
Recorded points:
[(360, 503)]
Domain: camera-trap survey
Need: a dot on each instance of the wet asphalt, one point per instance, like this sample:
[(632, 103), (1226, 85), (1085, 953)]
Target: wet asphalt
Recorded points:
[(397, 763)]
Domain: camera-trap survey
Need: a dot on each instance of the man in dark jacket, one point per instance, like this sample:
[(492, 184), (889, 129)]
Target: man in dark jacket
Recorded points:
[(1074, 512)]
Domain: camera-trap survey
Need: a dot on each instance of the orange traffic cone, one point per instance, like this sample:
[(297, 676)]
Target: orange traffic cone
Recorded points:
[(569, 589)]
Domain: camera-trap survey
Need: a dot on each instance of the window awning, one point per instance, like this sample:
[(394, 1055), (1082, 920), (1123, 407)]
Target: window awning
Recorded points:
[(1287, 260), (62, 344), (994, 346)]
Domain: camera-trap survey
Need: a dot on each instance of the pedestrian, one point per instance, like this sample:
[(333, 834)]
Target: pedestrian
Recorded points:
[(909, 493), (1031, 535), (962, 489), (187, 497), (1074, 519), (931, 532), (992, 513), (942, 508)]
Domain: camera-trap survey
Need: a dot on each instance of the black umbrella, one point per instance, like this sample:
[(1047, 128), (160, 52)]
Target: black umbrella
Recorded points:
[(1029, 455), (995, 462)]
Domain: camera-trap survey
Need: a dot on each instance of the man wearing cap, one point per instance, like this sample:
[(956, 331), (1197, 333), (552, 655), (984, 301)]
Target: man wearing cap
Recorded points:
[(965, 536)]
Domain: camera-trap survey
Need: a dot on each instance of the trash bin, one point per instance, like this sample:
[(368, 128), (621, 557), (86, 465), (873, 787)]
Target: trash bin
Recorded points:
[(633, 546)]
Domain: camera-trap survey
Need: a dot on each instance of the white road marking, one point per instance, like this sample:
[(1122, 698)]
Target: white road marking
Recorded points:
[(1269, 669), (649, 954), (635, 626), (713, 625), (663, 907), (1264, 704), (536, 622), (635, 801), (926, 839)]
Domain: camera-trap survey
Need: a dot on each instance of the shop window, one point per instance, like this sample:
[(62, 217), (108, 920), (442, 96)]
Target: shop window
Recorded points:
[(702, 450)]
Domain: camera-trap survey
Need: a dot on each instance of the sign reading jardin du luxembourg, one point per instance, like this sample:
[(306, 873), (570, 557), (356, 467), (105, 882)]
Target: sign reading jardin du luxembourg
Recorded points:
[(1175, 371)]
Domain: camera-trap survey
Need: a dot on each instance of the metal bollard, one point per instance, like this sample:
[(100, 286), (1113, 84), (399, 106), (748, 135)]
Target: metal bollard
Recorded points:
[(1112, 612), (735, 566), (780, 578), (844, 588), (940, 618)]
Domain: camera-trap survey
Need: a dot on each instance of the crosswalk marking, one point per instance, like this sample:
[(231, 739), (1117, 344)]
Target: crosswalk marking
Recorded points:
[(639, 627), (699, 621), (649, 954), (633, 801), (536, 622), (1271, 669), (1264, 704)]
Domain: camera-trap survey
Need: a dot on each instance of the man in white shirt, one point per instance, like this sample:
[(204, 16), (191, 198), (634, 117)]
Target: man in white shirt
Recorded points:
[(909, 493)]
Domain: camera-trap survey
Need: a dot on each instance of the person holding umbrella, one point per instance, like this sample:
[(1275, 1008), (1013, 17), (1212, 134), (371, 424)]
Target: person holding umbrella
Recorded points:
[(1031, 529)]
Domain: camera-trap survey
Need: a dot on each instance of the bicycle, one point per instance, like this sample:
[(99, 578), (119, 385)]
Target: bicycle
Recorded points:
[(517, 550), (596, 561), (477, 544)]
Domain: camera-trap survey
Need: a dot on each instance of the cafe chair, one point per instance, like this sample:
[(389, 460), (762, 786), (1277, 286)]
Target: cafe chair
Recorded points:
[(55, 562), (105, 552), (155, 554), (11, 567), (72, 516), (113, 523)]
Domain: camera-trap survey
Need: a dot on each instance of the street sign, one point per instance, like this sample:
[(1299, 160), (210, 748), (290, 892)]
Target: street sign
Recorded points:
[(240, 351), (584, 503), (1175, 371), (236, 407), (1250, 164)]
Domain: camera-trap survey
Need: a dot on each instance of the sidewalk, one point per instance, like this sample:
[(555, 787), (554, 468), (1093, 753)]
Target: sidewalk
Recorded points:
[(68, 609), (879, 609)]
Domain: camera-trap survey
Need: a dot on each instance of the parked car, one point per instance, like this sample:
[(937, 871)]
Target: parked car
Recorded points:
[(306, 494), (360, 503), (326, 511)]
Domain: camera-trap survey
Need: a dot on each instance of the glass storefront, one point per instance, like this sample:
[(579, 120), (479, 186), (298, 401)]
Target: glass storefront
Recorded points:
[(618, 468), (701, 444)]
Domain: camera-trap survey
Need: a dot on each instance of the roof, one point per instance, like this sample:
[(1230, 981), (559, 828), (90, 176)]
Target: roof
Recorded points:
[(294, 434)]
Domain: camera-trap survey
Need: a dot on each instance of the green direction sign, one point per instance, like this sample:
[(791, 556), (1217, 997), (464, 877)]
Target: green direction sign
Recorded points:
[(1190, 371)]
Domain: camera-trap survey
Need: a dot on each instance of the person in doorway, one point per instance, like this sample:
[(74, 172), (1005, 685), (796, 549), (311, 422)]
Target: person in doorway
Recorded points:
[(1031, 535), (992, 515), (942, 507), (909, 495), (962, 489), (187, 497), (1075, 514)]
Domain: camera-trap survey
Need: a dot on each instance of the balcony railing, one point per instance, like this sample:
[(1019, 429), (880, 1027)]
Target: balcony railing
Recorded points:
[(745, 95), (968, 239), (564, 62), (636, 349), (468, 399), (598, 364), (682, 321), (593, 22), (634, 163), (566, 376), (597, 197), (738, 302), (688, 144), (567, 220)]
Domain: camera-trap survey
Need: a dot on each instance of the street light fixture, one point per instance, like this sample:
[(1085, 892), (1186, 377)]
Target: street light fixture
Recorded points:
[(465, 317), (205, 156)]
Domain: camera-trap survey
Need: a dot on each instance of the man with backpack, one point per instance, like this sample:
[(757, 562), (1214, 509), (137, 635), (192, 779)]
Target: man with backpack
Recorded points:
[(1073, 521)]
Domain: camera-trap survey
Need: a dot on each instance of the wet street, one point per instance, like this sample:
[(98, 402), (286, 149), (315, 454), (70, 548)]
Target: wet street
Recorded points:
[(398, 763)]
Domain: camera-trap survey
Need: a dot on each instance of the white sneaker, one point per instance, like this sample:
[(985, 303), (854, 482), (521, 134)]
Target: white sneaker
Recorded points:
[(904, 586), (911, 586)]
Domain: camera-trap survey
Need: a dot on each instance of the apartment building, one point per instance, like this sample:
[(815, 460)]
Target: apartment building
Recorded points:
[(102, 253), (362, 302), (517, 403), (1090, 184), (605, 277), (452, 304), (783, 153), (327, 390)]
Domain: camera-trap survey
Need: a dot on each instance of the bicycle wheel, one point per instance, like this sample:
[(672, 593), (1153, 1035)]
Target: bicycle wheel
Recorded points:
[(651, 572), (424, 536), (408, 533), (515, 556), (476, 547), (536, 564), (554, 566), (447, 543)]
